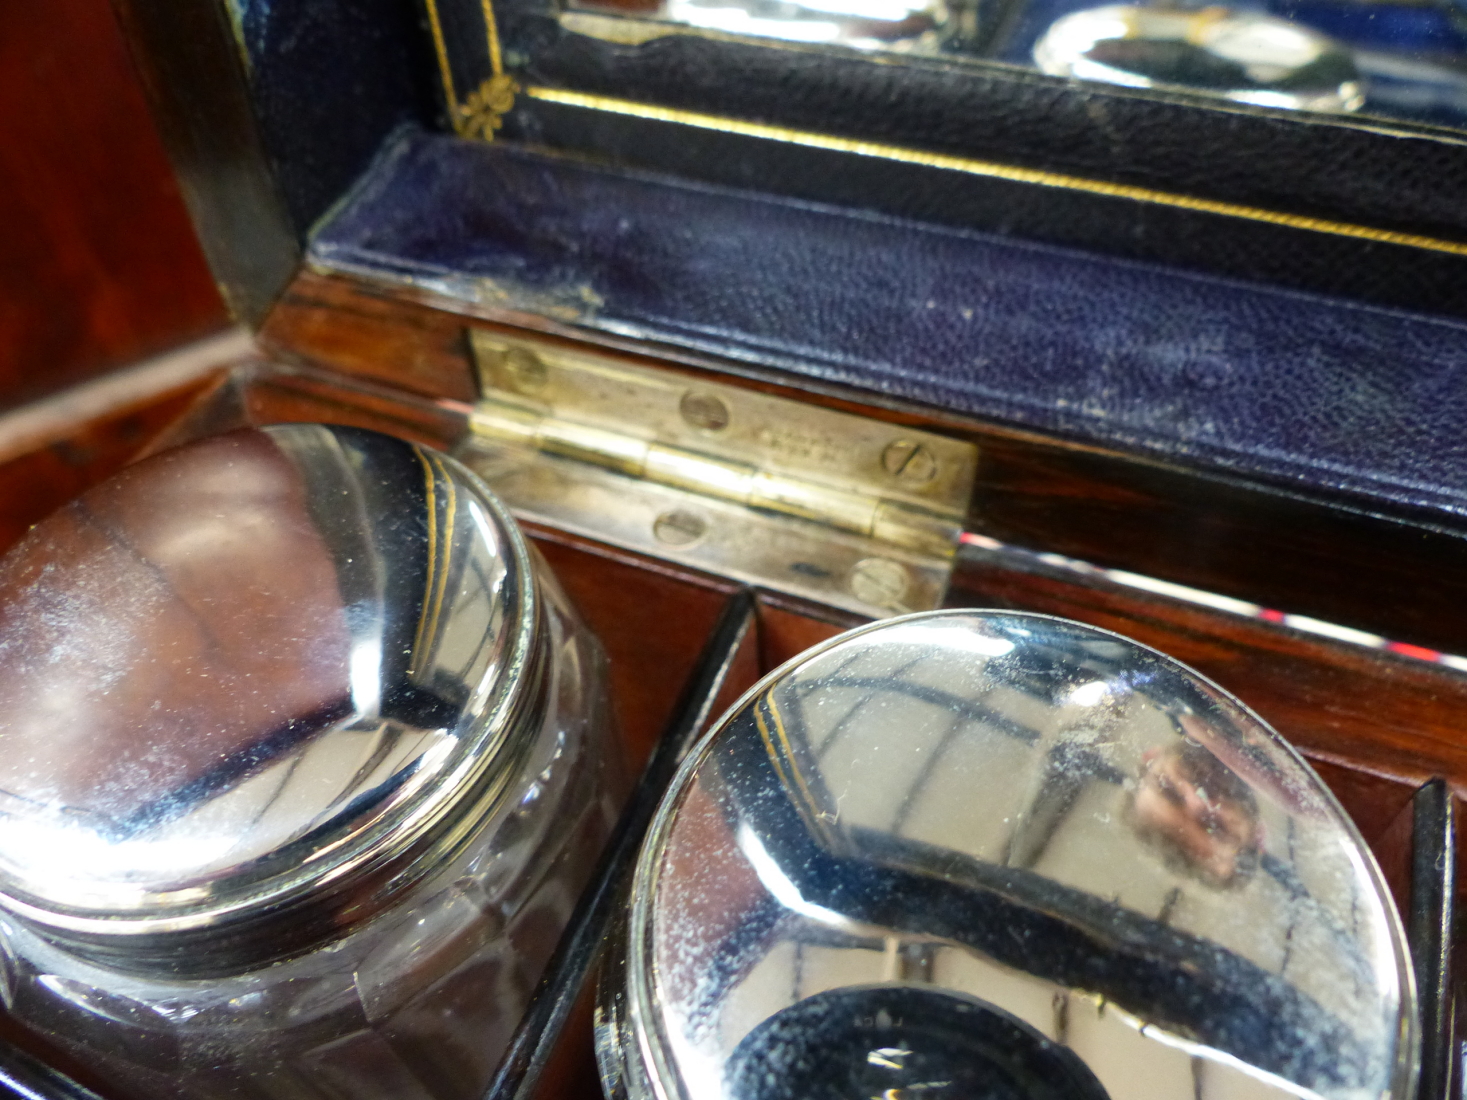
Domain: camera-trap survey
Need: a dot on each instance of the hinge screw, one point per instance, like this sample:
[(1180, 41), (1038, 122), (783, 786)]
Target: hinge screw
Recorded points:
[(909, 461), (703, 410), (879, 581), (526, 371), (679, 528)]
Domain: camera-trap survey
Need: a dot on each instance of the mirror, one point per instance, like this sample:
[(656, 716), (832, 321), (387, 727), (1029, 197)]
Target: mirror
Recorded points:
[(1402, 60)]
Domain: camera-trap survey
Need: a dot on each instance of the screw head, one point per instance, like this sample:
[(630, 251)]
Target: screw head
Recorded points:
[(879, 581), (909, 461), (679, 527), (526, 371), (704, 410)]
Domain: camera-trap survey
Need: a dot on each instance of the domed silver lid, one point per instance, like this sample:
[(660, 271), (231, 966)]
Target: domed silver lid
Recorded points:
[(982, 853), (255, 685)]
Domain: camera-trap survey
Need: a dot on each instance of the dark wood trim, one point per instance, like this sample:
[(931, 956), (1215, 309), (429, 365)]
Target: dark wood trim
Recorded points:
[(1386, 715), (192, 69)]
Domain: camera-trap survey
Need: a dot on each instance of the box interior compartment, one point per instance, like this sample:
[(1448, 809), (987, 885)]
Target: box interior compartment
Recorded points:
[(1377, 722)]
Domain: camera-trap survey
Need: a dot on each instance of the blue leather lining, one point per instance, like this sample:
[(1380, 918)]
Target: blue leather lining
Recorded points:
[(330, 79), (1318, 393)]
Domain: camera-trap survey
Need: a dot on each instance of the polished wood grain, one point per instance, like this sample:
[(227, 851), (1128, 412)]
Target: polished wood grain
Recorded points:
[(34, 485), (98, 261), (1391, 716), (1339, 559), (1375, 725), (1393, 852), (571, 1072), (1401, 576), (369, 333), (652, 620), (266, 397), (787, 628)]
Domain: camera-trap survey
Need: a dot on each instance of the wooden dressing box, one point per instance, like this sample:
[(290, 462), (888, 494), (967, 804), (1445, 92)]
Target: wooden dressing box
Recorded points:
[(749, 379)]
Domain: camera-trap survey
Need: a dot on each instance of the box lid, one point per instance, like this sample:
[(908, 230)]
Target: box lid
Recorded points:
[(1261, 298), (288, 101)]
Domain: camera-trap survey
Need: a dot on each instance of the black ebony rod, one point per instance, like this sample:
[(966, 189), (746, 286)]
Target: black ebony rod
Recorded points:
[(26, 1077), (1433, 896), (576, 956)]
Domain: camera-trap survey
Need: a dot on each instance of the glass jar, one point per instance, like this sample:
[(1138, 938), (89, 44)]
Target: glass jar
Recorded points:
[(304, 760), (983, 853)]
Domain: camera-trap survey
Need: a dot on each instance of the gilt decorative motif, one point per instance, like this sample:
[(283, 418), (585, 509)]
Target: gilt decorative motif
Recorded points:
[(482, 112)]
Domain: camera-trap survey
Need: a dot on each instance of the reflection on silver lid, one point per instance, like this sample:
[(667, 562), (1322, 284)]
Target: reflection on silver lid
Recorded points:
[(983, 853), (269, 674), (1244, 56), (864, 24)]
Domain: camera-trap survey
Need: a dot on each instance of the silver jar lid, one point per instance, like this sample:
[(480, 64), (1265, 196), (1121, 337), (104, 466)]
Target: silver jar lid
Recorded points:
[(251, 689), (987, 853)]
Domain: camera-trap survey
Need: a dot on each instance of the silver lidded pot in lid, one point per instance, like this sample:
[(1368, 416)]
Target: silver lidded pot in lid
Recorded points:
[(300, 747), (976, 853)]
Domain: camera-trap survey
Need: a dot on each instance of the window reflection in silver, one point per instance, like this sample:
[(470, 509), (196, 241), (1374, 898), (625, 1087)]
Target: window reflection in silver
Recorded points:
[(1047, 821), (1390, 59)]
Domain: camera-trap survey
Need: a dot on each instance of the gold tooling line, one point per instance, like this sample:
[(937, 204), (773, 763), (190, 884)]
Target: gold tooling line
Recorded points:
[(440, 47), (989, 169), (491, 28), (482, 111)]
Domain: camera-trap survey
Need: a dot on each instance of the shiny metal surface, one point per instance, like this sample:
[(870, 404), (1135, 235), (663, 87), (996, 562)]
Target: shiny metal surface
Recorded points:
[(1246, 56), (781, 494), (867, 24), (263, 683), (1117, 880), (898, 26)]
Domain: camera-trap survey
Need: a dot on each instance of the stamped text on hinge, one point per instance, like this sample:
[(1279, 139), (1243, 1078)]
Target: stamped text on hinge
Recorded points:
[(831, 506)]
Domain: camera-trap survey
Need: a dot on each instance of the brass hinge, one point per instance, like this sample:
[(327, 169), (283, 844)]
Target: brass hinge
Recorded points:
[(828, 505)]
